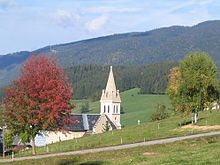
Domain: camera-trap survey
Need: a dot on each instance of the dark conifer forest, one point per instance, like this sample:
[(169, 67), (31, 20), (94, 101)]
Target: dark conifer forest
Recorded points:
[(89, 80)]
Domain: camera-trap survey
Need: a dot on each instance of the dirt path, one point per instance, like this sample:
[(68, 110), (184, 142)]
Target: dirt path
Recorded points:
[(190, 126), (160, 141)]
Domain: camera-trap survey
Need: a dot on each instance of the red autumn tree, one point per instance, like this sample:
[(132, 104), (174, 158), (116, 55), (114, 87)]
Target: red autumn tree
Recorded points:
[(39, 99)]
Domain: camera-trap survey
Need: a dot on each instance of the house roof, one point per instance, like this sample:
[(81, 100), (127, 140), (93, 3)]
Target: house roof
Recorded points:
[(83, 122), (86, 122)]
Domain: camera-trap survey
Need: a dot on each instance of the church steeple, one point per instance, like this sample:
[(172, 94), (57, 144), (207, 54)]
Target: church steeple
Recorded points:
[(110, 92), (111, 82), (110, 100)]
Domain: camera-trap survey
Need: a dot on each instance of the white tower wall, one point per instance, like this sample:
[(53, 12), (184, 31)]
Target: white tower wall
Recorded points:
[(110, 101)]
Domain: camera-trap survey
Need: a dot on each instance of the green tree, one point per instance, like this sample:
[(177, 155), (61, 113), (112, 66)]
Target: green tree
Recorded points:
[(160, 113), (122, 110), (197, 87), (85, 107), (9, 138)]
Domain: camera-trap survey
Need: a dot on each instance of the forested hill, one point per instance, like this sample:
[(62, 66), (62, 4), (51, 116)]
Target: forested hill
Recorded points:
[(89, 80), (139, 48)]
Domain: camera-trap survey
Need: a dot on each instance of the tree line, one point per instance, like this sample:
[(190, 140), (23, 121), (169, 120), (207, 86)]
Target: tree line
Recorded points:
[(89, 80)]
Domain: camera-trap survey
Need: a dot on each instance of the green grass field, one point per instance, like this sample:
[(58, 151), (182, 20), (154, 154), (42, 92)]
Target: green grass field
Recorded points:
[(136, 106), (199, 151), (169, 127)]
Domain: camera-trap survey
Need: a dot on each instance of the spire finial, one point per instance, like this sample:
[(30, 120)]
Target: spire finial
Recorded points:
[(110, 68)]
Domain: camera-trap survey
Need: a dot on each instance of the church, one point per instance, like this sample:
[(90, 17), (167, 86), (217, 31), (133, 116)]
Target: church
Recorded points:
[(86, 124)]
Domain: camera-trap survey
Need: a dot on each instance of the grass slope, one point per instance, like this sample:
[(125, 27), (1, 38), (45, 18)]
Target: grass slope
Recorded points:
[(199, 151), (169, 127), (136, 106)]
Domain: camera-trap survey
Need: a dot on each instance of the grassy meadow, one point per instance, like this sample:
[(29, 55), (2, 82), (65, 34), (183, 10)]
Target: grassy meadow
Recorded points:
[(199, 151), (136, 106), (170, 127)]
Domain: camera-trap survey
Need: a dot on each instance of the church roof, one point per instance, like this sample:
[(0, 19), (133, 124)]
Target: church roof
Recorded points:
[(83, 122), (110, 93), (111, 81)]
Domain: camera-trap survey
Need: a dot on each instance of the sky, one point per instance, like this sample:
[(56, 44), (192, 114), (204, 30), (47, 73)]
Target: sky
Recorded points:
[(32, 24)]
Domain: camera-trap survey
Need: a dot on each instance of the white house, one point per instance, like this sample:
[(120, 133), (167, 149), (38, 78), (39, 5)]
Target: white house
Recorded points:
[(215, 105)]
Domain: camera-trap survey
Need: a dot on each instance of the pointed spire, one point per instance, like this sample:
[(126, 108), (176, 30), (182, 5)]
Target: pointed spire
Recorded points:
[(110, 92), (111, 82)]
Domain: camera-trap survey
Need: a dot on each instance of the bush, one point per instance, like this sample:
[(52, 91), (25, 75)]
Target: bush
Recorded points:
[(122, 110), (160, 113)]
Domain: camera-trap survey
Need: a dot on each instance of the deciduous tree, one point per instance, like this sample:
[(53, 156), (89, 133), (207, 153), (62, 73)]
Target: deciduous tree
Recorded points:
[(173, 89), (39, 99), (196, 84)]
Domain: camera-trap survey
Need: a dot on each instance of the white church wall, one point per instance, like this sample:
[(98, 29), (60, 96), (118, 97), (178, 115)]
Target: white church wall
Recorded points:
[(53, 137), (101, 125), (108, 107)]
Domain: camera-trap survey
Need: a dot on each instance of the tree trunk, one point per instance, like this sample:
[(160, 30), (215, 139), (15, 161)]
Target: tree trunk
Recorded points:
[(3, 142), (33, 146), (195, 117)]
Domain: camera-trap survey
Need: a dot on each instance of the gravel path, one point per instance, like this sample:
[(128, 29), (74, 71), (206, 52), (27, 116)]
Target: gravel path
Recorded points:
[(160, 141)]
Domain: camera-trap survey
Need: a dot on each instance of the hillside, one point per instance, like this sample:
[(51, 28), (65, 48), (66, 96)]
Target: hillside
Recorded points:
[(205, 150), (89, 80), (135, 106), (173, 126), (159, 45)]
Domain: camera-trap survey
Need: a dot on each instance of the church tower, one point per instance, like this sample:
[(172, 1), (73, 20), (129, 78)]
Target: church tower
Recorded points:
[(110, 101)]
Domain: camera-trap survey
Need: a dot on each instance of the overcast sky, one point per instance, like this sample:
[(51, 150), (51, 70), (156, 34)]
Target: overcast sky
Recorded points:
[(32, 24)]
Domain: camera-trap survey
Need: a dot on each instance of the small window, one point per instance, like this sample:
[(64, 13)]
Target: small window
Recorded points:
[(104, 108), (117, 109), (115, 118), (108, 108), (114, 108)]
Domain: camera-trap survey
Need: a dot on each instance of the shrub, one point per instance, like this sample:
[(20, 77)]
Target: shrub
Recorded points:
[(160, 113)]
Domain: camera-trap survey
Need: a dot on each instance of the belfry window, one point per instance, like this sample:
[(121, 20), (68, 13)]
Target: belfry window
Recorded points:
[(104, 108), (108, 108)]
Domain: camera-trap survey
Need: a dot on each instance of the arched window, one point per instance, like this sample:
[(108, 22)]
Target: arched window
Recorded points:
[(108, 108), (104, 108), (116, 108)]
